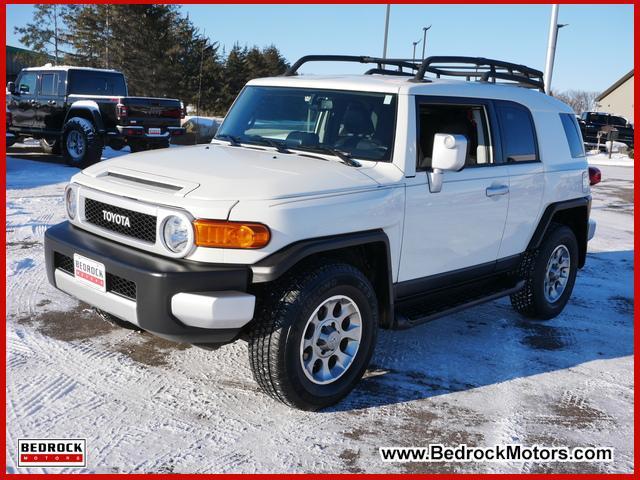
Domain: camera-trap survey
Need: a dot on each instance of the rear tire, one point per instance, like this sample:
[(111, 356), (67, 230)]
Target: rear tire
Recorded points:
[(549, 274), (51, 146), (307, 357), (81, 144)]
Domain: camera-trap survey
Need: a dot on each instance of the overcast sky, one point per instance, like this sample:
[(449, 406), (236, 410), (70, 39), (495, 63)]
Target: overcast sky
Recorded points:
[(593, 51)]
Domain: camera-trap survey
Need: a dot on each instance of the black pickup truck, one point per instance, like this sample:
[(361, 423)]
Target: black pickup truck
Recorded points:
[(78, 111), (593, 122)]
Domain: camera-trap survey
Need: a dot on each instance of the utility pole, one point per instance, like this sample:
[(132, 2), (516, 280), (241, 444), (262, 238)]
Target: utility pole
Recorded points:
[(386, 31), (106, 44), (554, 26), (424, 40), (204, 48), (55, 31)]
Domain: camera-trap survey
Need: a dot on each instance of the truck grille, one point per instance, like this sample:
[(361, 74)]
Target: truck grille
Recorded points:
[(115, 284), (137, 225)]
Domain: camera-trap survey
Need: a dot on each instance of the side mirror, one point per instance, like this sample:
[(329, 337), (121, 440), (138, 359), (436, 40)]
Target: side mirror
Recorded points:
[(449, 154), (11, 87)]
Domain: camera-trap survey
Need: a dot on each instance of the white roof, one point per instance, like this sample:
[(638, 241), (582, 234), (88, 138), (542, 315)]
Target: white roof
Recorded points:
[(533, 99), (65, 68)]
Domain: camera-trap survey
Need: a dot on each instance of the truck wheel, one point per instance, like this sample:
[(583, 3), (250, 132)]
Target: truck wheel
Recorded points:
[(82, 146), (50, 146), (549, 274), (314, 334)]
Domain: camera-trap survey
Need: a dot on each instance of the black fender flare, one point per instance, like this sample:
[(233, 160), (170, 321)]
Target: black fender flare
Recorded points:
[(84, 109), (580, 224), (278, 263)]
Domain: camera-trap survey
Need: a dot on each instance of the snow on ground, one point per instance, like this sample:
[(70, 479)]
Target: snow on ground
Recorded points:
[(616, 160), (481, 377)]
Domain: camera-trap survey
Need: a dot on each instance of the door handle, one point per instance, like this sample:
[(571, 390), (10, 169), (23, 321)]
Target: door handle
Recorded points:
[(497, 190)]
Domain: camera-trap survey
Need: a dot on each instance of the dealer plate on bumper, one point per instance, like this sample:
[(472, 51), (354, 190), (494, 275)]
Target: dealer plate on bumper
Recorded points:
[(89, 272)]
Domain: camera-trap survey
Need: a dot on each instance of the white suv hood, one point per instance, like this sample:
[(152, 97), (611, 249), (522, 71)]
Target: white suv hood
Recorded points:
[(225, 173)]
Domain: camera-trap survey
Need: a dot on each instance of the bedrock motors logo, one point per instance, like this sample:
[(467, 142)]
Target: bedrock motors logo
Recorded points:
[(42, 452)]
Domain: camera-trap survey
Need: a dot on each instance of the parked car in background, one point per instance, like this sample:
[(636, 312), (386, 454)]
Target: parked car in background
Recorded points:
[(197, 130), (78, 111), (591, 123), (11, 138)]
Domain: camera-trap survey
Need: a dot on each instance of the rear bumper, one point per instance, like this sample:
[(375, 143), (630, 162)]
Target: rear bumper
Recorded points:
[(175, 299), (140, 132)]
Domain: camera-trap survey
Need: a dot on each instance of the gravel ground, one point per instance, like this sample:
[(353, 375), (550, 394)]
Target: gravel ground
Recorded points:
[(481, 377)]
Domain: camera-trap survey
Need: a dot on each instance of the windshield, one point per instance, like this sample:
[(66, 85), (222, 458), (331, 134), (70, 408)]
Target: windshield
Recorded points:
[(357, 123), (95, 82)]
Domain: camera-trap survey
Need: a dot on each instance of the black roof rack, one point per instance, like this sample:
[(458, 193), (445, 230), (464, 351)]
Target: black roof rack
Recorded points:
[(479, 68), (483, 69), (380, 62)]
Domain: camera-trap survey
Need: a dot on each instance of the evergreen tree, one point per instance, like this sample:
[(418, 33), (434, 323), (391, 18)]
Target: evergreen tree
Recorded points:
[(158, 49), (47, 34)]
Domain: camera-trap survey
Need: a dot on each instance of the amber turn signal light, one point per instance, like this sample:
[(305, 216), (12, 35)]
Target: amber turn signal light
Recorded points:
[(222, 234)]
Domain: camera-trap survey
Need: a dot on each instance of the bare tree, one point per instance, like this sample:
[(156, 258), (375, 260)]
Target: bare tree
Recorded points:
[(579, 100)]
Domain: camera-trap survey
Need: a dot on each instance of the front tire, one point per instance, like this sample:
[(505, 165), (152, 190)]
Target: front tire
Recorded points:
[(82, 145), (314, 334), (549, 274)]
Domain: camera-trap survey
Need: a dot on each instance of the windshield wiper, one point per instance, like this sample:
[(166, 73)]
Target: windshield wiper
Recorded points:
[(233, 141), (343, 156), (270, 142)]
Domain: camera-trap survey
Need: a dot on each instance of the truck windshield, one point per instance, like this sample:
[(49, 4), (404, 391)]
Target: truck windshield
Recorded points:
[(95, 82), (360, 124)]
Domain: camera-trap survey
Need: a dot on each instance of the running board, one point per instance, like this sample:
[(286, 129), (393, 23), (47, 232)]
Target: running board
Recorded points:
[(432, 306)]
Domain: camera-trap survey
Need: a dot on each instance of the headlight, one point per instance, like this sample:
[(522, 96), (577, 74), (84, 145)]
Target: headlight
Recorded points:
[(176, 233), (71, 200)]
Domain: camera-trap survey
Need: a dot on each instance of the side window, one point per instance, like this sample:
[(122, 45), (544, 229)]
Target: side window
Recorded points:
[(28, 83), (572, 131), (467, 120), (518, 134), (48, 84)]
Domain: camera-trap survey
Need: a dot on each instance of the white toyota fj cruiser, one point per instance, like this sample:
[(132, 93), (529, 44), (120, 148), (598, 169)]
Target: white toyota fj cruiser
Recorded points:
[(330, 206)]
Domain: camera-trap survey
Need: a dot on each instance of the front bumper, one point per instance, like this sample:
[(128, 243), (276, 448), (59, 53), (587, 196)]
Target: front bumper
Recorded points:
[(178, 300)]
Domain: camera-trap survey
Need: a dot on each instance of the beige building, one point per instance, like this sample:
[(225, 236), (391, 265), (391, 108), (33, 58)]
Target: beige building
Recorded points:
[(618, 98)]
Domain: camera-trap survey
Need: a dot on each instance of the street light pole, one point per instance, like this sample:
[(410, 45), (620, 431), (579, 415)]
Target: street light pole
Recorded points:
[(386, 31), (551, 46), (424, 40)]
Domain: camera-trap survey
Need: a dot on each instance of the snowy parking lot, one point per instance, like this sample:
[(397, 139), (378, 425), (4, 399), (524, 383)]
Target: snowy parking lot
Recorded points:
[(481, 377)]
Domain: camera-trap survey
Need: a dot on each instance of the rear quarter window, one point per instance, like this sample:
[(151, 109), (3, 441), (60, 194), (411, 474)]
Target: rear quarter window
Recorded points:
[(572, 132), (518, 133)]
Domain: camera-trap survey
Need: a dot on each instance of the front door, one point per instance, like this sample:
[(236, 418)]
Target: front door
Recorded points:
[(23, 104), (462, 225)]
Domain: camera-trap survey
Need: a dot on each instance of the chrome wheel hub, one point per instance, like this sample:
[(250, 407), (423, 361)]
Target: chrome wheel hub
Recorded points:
[(331, 339), (557, 273), (75, 144)]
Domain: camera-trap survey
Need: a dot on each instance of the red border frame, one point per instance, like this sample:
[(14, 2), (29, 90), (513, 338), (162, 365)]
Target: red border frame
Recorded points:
[(636, 342)]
